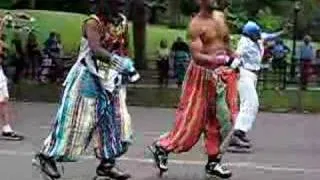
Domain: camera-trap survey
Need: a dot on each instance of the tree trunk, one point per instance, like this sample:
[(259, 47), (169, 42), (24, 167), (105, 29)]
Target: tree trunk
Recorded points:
[(174, 12), (139, 33), (32, 4)]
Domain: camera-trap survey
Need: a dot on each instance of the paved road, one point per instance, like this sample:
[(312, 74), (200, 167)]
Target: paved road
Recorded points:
[(287, 148)]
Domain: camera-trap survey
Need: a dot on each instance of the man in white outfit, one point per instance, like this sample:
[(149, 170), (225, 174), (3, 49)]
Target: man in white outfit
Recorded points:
[(250, 52)]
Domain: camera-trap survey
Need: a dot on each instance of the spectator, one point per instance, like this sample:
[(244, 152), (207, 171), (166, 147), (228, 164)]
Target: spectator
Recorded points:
[(58, 74), (53, 48), (265, 64), (317, 59), (181, 56), (51, 42), (34, 55), (163, 63), (45, 71), (306, 57), (18, 57), (279, 64), (59, 44), (317, 64)]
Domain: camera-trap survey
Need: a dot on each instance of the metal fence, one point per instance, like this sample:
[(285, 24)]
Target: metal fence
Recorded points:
[(290, 76)]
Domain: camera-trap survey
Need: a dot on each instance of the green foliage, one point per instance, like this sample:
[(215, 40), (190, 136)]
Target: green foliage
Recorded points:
[(269, 21), (188, 7), (5, 4)]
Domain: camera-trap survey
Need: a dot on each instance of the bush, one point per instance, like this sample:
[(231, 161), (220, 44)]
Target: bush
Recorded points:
[(269, 21)]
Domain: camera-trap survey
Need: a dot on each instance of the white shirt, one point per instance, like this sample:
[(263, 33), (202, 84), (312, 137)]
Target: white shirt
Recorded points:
[(251, 53)]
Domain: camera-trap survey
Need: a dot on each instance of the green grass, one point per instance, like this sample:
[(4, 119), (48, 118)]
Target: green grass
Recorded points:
[(69, 26)]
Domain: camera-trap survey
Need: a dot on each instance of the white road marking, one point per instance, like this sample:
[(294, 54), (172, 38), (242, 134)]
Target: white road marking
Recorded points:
[(248, 165)]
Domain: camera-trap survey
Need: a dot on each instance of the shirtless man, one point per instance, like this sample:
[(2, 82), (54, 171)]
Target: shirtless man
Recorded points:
[(209, 83)]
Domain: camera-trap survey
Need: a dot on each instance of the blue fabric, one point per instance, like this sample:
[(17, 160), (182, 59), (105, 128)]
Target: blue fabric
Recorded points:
[(109, 128), (306, 52), (280, 51), (88, 85)]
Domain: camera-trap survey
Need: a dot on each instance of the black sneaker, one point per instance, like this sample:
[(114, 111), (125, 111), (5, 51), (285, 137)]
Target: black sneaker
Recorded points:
[(48, 166), (160, 157), (240, 140), (12, 136), (108, 170), (242, 135), (215, 169)]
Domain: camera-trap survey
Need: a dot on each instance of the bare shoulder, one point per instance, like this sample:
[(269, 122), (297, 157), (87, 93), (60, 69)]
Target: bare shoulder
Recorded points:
[(194, 28), (219, 16)]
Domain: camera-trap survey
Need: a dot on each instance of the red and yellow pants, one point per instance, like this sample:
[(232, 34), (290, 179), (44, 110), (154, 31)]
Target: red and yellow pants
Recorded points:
[(207, 105)]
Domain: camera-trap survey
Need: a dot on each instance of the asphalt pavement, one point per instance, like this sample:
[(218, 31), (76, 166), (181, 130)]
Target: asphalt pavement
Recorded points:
[(287, 147)]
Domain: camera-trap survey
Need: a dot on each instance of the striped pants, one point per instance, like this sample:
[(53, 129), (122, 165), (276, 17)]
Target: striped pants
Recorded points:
[(208, 105)]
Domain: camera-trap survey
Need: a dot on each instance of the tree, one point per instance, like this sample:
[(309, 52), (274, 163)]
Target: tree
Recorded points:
[(32, 4), (174, 13), (139, 32), (154, 7)]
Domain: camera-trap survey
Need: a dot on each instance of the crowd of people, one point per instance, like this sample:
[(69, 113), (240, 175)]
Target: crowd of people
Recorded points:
[(276, 54), (30, 60), (172, 63)]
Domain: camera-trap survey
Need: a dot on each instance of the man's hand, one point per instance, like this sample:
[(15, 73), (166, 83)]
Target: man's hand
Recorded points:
[(235, 63)]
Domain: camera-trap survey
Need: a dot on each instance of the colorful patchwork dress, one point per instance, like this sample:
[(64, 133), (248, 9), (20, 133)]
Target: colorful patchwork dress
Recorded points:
[(93, 104)]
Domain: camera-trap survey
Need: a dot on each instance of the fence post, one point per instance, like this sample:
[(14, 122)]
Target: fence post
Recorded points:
[(297, 8)]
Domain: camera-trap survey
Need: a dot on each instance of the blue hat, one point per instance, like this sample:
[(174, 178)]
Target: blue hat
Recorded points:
[(251, 29)]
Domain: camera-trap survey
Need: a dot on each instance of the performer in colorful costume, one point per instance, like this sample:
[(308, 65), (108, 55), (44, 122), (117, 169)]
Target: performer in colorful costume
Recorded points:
[(7, 132), (93, 104), (208, 102), (250, 52)]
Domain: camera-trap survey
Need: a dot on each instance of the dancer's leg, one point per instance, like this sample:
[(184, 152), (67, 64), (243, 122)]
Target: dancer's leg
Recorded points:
[(5, 115), (218, 124), (190, 118), (109, 136), (249, 106), (73, 125)]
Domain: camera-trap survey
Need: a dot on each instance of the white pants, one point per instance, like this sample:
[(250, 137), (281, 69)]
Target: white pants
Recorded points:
[(249, 102)]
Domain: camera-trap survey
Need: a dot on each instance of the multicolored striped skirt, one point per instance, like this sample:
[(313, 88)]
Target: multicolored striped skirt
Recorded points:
[(87, 112)]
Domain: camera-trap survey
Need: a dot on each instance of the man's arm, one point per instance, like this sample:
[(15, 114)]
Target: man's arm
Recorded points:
[(271, 36)]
